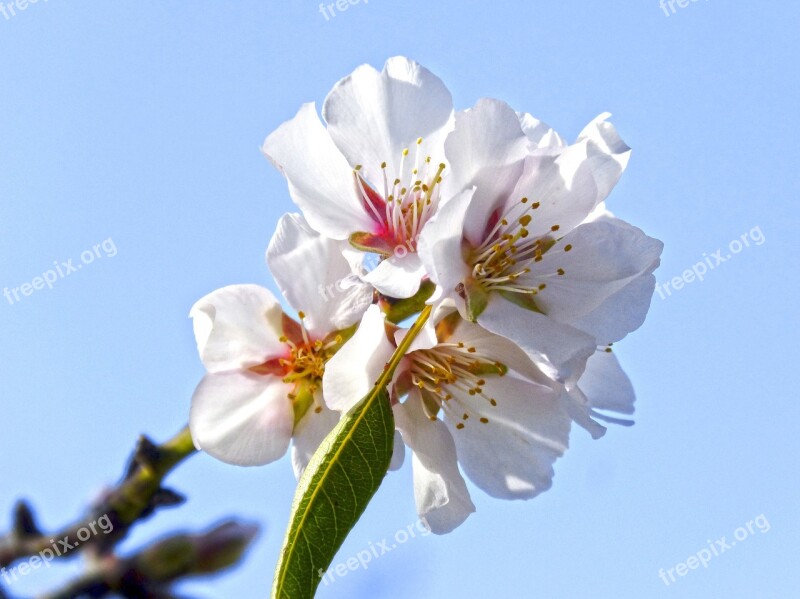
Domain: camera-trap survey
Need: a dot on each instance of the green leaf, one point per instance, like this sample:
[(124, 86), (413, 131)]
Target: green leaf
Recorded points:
[(339, 482)]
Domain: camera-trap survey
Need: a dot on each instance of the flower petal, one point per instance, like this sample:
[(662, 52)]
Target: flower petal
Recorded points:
[(398, 452), (373, 116), (620, 313), (309, 433), (560, 186), (500, 349), (508, 449), (485, 151), (320, 179), (311, 273), (238, 327), (540, 135), (559, 350), (241, 418), (439, 246), (397, 276), (604, 257), (606, 385), (607, 152), (440, 491), (352, 372)]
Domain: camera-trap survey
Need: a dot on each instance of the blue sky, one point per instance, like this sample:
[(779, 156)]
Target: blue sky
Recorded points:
[(140, 123)]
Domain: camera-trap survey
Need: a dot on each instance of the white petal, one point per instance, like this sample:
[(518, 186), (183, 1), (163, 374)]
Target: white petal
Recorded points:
[(308, 434), (397, 276), (426, 339), (559, 350), (398, 453), (241, 418), (373, 116), (606, 385), (609, 155), (509, 454), (577, 405), (540, 135), (604, 257), (238, 327), (439, 245), (563, 188), (320, 179), (314, 277), (440, 492), (620, 313), (500, 348), (353, 371)]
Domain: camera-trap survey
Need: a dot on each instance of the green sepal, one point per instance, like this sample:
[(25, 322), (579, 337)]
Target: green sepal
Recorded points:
[(523, 300), (399, 310)]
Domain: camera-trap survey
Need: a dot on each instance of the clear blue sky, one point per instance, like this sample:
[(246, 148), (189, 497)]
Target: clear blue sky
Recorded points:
[(141, 122)]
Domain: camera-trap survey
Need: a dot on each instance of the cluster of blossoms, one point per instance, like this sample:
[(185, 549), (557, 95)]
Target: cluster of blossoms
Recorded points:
[(534, 280)]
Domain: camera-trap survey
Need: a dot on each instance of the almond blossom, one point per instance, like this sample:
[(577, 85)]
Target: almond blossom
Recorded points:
[(526, 249), (265, 369), (472, 399), (372, 173)]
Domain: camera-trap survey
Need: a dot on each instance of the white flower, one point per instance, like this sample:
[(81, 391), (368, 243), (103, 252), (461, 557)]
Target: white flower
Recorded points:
[(372, 175), (265, 369), (501, 420), (525, 247)]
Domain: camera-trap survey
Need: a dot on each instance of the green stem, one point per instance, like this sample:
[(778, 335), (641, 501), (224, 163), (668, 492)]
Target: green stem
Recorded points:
[(401, 350)]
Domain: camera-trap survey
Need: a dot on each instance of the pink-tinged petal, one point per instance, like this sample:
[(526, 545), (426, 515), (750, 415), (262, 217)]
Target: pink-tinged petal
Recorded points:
[(242, 418), (558, 350), (238, 327), (508, 447), (373, 116), (440, 491), (320, 179), (315, 277), (398, 276), (606, 385), (309, 433), (485, 151), (590, 265), (353, 371)]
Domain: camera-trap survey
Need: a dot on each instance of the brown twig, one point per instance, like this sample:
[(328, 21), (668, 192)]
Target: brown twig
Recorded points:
[(135, 498), (150, 573)]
